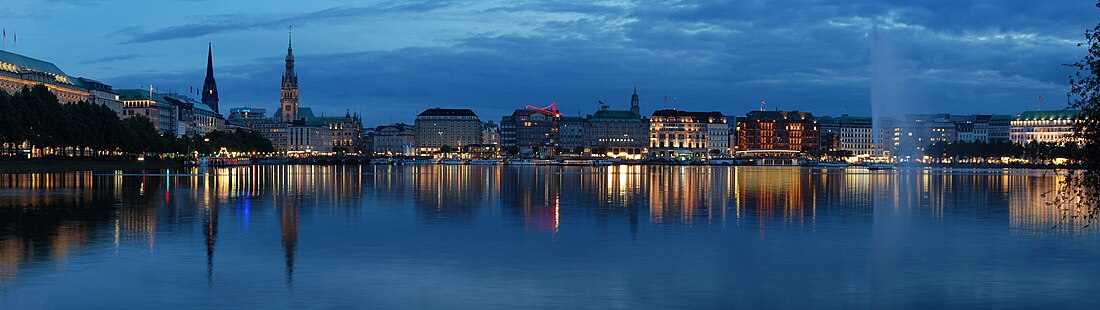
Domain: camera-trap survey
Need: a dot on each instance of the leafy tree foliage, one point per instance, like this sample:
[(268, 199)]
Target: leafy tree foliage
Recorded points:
[(35, 116), (1079, 197)]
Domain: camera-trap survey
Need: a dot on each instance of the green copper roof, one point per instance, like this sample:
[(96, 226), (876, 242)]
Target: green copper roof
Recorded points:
[(303, 112), (134, 94), (616, 114), (24, 62), (1048, 115)]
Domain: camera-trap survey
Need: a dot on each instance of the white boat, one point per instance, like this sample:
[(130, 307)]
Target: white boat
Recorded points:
[(453, 162), (578, 162), (603, 162), (218, 161), (722, 161), (381, 161), (880, 166), (832, 164), (524, 162), (486, 162), (425, 161)]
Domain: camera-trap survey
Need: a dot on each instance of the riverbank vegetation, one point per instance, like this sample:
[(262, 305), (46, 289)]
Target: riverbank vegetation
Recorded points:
[(34, 123), (1079, 196)]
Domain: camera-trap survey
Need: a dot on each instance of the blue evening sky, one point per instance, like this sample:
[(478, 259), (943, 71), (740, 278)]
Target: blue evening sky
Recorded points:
[(390, 59)]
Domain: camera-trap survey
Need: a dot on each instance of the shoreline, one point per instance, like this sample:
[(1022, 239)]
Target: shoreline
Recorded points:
[(19, 166)]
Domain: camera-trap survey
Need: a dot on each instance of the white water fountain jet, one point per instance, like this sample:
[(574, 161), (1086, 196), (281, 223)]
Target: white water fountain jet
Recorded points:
[(891, 94), (891, 100)]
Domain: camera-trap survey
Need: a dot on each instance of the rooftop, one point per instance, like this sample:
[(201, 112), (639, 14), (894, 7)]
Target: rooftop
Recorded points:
[(24, 62), (616, 115), (1048, 115), (785, 115), (678, 113), (447, 112)]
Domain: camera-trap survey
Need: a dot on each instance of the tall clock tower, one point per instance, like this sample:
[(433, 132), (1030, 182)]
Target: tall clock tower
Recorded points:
[(289, 100)]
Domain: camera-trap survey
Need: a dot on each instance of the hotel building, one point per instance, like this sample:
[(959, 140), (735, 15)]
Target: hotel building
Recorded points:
[(685, 135), (18, 71), (1044, 126), (777, 131), (453, 128)]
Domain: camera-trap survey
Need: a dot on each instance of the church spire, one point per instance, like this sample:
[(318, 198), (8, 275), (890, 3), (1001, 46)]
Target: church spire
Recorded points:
[(634, 102), (289, 101), (210, 87)]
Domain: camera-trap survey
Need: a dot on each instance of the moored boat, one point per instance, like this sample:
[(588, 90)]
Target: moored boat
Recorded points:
[(880, 166), (453, 162), (486, 162)]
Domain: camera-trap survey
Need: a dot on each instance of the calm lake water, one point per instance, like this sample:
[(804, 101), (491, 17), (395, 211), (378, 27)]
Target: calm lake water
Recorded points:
[(541, 237)]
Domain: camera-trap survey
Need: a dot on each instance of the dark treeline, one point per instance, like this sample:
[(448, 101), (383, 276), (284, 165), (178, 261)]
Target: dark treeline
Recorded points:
[(35, 117), (1031, 150)]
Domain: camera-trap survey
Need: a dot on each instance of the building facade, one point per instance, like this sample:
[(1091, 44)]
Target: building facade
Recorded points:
[(918, 131), (452, 128), (18, 71), (617, 133), (102, 94), (1044, 126), (777, 131), (194, 118), (152, 106), (856, 135), (681, 135), (529, 128), (571, 134), (394, 140), (305, 138)]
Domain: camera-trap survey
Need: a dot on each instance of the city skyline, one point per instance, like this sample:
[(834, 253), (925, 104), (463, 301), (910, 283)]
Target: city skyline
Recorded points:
[(495, 57)]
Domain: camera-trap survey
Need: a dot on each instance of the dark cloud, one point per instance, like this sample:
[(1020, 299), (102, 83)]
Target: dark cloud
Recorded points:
[(946, 56), (114, 58), (244, 22)]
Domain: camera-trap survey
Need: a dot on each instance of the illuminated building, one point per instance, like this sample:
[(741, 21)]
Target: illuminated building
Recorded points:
[(453, 128), (152, 106), (491, 134), (1044, 126), (617, 133), (777, 131), (246, 114), (194, 118), (683, 135), (170, 113), (274, 131), (983, 128), (307, 138), (918, 131), (102, 94), (344, 130), (296, 129), (396, 139), (847, 133), (18, 71), (530, 128)]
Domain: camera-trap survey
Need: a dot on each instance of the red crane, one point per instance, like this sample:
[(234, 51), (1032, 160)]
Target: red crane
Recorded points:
[(551, 109)]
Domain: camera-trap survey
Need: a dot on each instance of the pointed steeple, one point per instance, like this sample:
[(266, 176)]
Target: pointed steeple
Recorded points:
[(210, 87), (289, 101), (209, 59), (634, 102), (289, 76)]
